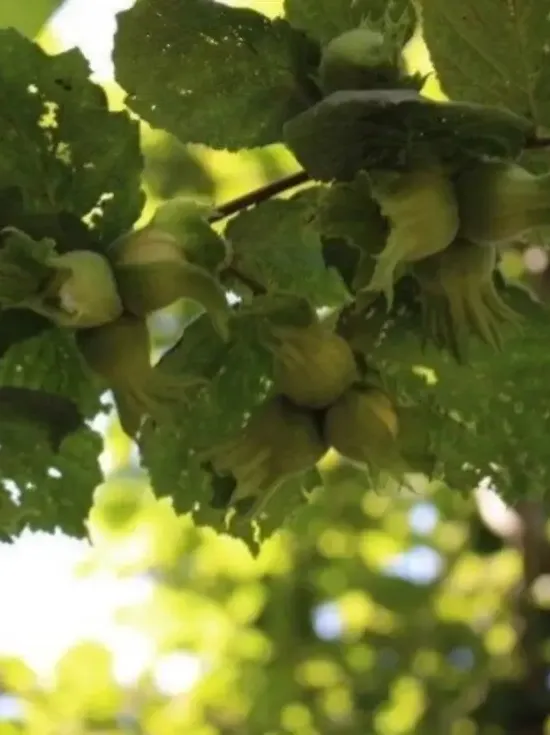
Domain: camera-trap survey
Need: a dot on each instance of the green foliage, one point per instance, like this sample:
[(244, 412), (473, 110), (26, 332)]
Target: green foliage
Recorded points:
[(351, 131), (492, 53), (51, 362), (275, 246), (239, 377), (64, 151), (446, 383), (238, 57), (326, 19), (492, 432), (364, 249)]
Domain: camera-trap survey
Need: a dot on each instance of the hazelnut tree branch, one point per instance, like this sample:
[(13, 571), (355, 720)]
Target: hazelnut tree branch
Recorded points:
[(252, 198), (259, 195), (301, 177)]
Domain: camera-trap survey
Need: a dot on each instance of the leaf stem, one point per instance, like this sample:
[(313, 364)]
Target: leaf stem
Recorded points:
[(259, 195)]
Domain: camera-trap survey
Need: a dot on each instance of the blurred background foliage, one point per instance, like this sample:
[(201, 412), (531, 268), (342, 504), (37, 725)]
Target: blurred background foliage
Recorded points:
[(28, 18), (386, 611)]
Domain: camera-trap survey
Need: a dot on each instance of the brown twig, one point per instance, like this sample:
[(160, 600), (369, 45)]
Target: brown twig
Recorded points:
[(251, 198), (259, 195), (301, 177)]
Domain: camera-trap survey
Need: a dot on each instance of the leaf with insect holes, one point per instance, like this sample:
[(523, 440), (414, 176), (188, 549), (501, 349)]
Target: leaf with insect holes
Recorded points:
[(55, 488), (175, 59), (62, 145), (239, 375), (50, 362), (494, 412), (46, 449)]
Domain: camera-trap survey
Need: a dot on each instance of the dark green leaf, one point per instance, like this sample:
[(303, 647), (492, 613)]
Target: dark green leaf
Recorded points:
[(24, 268), (61, 144), (349, 211), (276, 245), (351, 131), (348, 214), (240, 375), (47, 453), (280, 309), (50, 362), (68, 230), (494, 412), (208, 73), (58, 416), (54, 489), (494, 53), (18, 325)]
